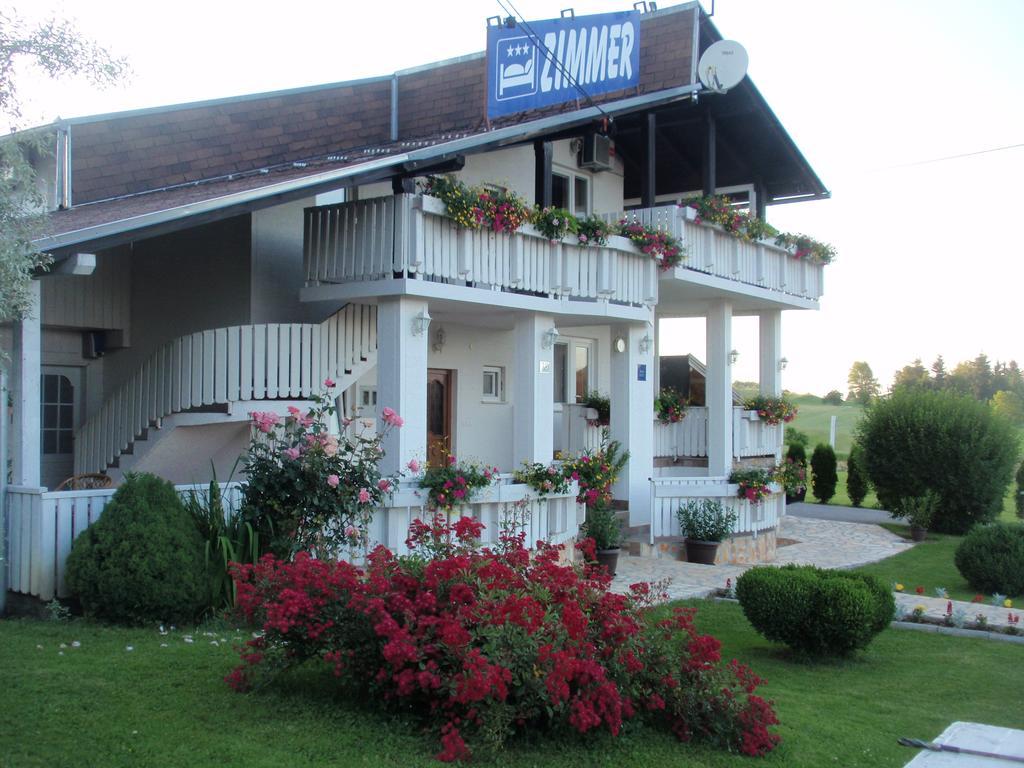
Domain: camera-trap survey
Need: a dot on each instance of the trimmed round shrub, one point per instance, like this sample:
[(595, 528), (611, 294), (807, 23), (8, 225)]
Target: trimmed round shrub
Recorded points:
[(825, 476), (915, 441), (991, 558), (815, 611), (142, 561), (856, 476)]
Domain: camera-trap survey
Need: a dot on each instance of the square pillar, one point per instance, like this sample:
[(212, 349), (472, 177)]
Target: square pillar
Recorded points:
[(533, 391), (632, 416), (770, 336), (402, 378), (719, 389), (26, 380)]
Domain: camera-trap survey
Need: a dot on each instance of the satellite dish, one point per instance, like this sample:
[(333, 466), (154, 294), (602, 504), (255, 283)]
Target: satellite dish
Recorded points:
[(723, 65)]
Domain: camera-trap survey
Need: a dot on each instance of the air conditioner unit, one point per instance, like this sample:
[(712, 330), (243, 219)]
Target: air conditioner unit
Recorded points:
[(596, 154)]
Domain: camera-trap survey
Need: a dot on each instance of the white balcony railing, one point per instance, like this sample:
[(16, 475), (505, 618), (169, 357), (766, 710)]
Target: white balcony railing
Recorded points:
[(689, 438), (409, 236), (711, 250), (670, 493)]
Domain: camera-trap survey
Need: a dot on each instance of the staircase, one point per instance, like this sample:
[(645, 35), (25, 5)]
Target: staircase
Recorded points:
[(212, 371)]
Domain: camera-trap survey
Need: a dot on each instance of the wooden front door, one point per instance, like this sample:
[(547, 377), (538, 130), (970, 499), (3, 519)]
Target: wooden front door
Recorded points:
[(439, 416)]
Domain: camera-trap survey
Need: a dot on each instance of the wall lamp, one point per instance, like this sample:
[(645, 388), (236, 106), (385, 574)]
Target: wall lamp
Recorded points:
[(420, 323), (734, 355), (783, 362), (549, 338)]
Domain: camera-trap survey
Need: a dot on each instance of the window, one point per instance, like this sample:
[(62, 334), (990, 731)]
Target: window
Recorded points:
[(581, 197), (573, 370), (494, 384), (560, 191), (58, 414), (561, 362), (582, 370), (367, 397)]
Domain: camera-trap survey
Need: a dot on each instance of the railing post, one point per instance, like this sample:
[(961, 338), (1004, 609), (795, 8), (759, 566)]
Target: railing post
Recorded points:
[(416, 236), (465, 252), (515, 269)]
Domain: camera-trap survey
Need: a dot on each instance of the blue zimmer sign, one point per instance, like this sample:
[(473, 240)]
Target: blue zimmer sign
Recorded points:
[(540, 63)]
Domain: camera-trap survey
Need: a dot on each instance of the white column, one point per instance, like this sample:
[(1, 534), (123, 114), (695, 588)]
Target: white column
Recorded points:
[(632, 422), (533, 390), (770, 336), (719, 389), (402, 379), (25, 387)]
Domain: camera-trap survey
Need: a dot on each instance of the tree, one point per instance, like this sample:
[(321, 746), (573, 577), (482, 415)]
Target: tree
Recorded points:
[(824, 475), (913, 375), (857, 483), (862, 382), (835, 397), (1010, 405), (57, 49)]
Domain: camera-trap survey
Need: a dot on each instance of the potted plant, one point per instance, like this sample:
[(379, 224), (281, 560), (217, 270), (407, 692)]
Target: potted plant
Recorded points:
[(919, 511), (704, 523), (797, 454), (603, 526)]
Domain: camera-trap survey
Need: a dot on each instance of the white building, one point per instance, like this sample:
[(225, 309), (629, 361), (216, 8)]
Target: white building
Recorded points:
[(246, 248)]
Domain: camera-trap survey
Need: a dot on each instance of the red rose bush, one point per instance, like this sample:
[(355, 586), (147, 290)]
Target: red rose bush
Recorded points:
[(484, 643)]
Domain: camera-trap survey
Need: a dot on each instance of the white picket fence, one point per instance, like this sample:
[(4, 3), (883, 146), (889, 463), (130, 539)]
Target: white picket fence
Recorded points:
[(711, 250), (41, 526), (751, 436), (224, 365), (670, 493), (410, 236)]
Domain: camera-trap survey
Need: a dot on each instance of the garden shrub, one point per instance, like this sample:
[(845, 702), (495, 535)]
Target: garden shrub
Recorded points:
[(142, 561), (797, 451), (824, 476), (917, 440), (991, 558), (1020, 492), (856, 476), (815, 611), (483, 644)]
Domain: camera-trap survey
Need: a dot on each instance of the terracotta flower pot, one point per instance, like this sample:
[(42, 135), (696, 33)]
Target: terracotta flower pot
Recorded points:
[(702, 552), (609, 558), (917, 533)]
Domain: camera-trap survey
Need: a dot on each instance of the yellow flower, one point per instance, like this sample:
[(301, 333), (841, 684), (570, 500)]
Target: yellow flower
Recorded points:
[(899, 587), (1007, 603)]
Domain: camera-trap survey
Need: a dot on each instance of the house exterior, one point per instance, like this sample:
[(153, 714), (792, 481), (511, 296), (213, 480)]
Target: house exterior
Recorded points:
[(217, 258)]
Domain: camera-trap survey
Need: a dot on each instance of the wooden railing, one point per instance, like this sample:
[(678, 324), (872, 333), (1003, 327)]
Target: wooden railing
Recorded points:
[(42, 525), (711, 250), (750, 435), (410, 236), (670, 493), (580, 430), (241, 363)]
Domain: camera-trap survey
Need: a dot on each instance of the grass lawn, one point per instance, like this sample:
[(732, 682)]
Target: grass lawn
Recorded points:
[(815, 418), (102, 705)]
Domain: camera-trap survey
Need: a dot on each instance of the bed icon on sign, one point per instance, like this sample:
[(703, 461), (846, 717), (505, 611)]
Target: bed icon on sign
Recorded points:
[(516, 69)]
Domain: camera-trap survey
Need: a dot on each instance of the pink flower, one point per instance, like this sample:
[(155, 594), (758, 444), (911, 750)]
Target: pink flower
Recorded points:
[(384, 485), (364, 496), (351, 533), (392, 418), (332, 480), (451, 461), (293, 410), (329, 382), (292, 453), (414, 466), (265, 422)]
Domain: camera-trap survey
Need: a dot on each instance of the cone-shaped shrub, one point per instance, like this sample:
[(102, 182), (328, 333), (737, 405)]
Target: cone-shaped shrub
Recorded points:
[(856, 476), (825, 476)]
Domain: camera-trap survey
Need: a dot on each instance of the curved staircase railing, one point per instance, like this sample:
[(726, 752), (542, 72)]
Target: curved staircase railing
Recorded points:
[(267, 361)]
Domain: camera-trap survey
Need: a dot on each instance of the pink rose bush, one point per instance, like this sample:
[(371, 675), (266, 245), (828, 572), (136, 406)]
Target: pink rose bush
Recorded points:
[(308, 490), (485, 644)]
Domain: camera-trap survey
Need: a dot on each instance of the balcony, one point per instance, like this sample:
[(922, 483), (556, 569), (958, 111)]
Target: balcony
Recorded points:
[(368, 246), (712, 252)]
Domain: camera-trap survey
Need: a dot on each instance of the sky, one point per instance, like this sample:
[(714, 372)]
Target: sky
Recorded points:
[(895, 103)]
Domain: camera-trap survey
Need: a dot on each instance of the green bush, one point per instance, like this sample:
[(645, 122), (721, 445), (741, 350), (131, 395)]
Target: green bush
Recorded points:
[(825, 477), (797, 452), (916, 440), (797, 439), (142, 561), (815, 611), (857, 483), (991, 558), (1020, 492)]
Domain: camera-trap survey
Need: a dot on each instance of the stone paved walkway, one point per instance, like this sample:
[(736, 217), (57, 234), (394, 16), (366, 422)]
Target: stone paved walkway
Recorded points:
[(825, 543)]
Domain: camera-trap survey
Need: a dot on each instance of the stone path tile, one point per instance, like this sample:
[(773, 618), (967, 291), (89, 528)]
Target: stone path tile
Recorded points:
[(824, 543)]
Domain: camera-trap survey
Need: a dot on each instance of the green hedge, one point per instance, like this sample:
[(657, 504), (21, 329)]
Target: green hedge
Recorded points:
[(991, 558), (815, 611), (142, 561), (915, 441), (857, 484), (824, 473)]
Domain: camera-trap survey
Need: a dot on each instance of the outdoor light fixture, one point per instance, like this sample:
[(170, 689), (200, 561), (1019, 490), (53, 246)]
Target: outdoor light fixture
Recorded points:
[(549, 338), (645, 344), (783, 362), (734, 355), (420, 323)]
